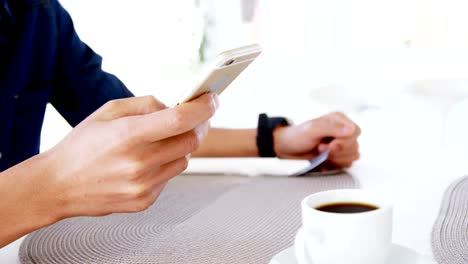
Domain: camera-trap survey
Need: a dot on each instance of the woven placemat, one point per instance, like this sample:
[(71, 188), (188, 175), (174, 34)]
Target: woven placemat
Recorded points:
[(450, 232), (197, 219)]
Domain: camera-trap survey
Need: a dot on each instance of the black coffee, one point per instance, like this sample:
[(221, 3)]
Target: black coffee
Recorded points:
[(347, 208)]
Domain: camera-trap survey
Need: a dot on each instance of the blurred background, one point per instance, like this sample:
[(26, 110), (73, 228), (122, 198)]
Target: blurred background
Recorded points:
[(399, 68)]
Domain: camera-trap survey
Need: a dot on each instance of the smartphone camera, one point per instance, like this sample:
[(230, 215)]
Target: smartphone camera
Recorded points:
[(229, 62)]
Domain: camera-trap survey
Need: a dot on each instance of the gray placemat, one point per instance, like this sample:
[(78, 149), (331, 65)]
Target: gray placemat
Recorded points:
[(197, 219), (450, 232)]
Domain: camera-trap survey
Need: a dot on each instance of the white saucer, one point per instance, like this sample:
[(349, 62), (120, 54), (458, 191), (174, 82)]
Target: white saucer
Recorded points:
[(398, 255)]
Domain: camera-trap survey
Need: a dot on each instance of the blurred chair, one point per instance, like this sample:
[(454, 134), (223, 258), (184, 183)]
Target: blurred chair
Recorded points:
[(441, 95)]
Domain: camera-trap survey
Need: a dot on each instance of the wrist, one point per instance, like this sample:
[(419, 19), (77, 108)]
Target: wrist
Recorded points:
[(265, 134), (222, 142), (47, 203), (54, 191), (38, 175), (278, 134), (26, 203)]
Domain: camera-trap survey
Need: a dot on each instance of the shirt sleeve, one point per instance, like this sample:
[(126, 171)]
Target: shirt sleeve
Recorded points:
[(80, 84)]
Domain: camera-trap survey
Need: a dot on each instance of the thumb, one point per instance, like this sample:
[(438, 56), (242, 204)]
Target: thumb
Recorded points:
[(127, 107)]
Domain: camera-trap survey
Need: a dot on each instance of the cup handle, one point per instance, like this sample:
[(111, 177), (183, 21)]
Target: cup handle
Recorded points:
[(300, 245)]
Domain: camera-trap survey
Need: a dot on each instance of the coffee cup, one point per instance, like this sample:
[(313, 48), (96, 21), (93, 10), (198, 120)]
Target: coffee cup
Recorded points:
[(344, 226)]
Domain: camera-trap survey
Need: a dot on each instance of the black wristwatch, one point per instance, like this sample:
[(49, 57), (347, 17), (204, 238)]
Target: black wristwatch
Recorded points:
[(266, 125)]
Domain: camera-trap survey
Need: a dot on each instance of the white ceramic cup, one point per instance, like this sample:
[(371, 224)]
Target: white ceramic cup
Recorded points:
[(338, 238)]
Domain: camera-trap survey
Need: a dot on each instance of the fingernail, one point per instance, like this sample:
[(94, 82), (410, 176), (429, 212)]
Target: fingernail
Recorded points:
[(215, 100)]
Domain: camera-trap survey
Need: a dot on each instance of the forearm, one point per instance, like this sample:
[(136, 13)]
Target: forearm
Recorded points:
[(24, 205), (229, 143)]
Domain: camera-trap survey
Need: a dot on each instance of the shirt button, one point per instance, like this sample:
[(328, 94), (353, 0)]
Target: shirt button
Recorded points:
[(15, 96), (0, 155)]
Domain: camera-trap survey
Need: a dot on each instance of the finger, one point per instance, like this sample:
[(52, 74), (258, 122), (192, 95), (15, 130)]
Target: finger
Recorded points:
[(144, 185), (165, 172), (155, 193), (345, 161), (352, 156), (344, 155), (340, 145), (342, 163), (347, 127), (329, 126), (343, 119), (322, 147), (127, 107), (142, 203), (164, 151), (173, 121)]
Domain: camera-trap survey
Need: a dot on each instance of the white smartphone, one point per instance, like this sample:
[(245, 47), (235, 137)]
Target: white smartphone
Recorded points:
[(225, 69)]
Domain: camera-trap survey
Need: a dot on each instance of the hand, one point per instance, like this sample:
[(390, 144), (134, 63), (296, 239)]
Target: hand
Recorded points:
[(334, 131), (120, 158)]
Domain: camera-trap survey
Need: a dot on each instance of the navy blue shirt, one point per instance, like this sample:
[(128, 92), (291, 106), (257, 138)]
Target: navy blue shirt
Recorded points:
[(43, 60)]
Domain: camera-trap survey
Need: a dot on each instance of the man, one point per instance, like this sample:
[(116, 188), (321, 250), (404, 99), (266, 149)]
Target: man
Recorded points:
[(121, 152)]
